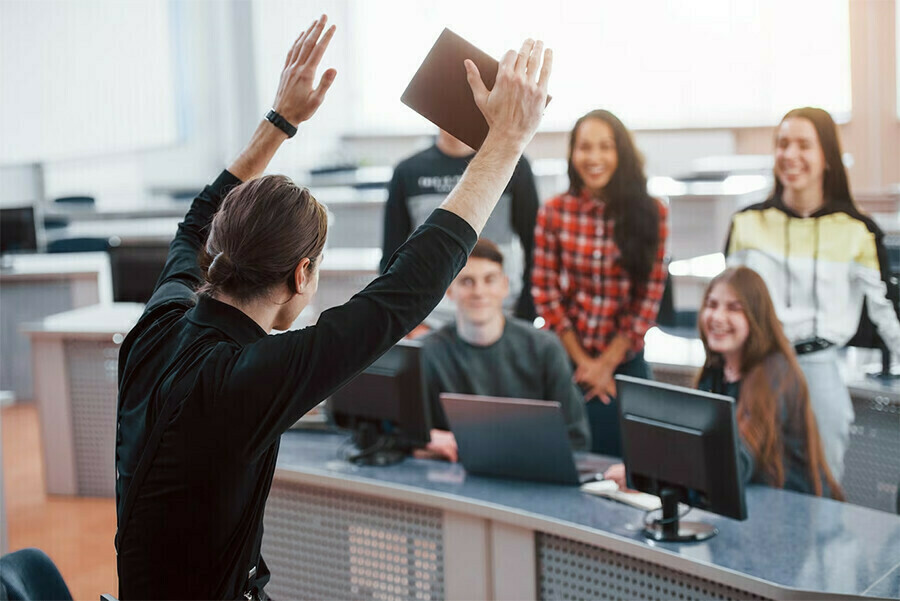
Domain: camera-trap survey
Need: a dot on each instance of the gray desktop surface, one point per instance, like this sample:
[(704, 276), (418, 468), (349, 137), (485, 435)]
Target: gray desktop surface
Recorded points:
[(790, 540)]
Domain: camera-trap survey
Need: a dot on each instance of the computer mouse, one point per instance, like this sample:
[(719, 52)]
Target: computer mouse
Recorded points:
[(599, 486)]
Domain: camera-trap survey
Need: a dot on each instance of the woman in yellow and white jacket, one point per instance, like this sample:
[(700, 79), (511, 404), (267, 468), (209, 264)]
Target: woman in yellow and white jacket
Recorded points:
[(821, 259)]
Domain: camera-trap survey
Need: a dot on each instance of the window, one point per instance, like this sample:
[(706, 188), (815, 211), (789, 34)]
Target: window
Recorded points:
[(656, 63), (85, 78)]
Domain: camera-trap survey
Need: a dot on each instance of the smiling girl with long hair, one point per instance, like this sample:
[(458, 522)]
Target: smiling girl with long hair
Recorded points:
[(749, 359), (599, 273)]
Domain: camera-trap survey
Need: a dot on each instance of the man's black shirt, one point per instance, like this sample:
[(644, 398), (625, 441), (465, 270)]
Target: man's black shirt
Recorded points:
[(197, 522)]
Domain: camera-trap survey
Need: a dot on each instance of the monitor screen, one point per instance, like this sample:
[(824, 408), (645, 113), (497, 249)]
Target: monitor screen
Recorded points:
[(682, 445), (385, 406), (17, 230), (135, 269)]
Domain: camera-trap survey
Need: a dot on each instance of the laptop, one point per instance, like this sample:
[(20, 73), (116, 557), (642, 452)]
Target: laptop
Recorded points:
[(517, 438)]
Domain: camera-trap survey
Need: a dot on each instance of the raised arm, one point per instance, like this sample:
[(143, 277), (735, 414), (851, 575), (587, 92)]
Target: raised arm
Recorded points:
[(296, 100)]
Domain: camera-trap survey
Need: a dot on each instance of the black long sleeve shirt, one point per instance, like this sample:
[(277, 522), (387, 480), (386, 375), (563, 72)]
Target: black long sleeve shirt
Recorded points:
[(197, 523)]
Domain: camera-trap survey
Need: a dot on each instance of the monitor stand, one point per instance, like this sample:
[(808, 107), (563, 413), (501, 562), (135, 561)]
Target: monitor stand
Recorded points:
[(885, 376), (375, 448), (670, 530)]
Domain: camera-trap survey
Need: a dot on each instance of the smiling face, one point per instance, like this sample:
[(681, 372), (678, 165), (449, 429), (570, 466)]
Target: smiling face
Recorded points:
[(478, 291), (723, 321), (799, 160), (594, 154)]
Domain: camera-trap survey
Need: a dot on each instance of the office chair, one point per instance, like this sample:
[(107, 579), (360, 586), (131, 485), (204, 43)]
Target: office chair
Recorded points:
[(78, 245), (867, 336), (29, 574), (671, 321), (75, 200), (667, 315)]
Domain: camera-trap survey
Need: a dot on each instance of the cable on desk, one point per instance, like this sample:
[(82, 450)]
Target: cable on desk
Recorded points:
[(664, 521)]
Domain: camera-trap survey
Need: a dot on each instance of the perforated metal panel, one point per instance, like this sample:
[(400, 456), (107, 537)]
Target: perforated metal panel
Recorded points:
[(572, 570), (872, 462), (91, 369), (24, 302), (322, 544)]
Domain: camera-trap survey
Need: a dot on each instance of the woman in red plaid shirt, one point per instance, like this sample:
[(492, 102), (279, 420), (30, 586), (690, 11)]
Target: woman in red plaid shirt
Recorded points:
[(599, 267)]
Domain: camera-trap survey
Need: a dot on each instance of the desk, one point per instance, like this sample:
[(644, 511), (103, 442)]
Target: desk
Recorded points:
[(75, 382), (424, 530), (119, 207), (159, 230), (34, 286)]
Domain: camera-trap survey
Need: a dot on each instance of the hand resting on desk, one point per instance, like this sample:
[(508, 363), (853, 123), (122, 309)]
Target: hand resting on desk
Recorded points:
[(616, 473), (442, 446)]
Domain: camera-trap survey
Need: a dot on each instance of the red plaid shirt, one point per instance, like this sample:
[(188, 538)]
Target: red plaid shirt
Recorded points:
[(578, 281)]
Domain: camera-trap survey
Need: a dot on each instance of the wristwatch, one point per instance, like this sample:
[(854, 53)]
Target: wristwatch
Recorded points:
[(281, 123)]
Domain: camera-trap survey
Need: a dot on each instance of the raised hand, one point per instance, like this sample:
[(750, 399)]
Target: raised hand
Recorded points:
[(513, 108), (297, 99)]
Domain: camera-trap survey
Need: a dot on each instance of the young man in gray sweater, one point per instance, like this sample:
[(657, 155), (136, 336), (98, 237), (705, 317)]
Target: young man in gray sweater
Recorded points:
[(487, 353)]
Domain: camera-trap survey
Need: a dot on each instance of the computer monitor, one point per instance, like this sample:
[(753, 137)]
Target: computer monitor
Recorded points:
[(135, 268), (18, 231), (681, 444), (385, 406)]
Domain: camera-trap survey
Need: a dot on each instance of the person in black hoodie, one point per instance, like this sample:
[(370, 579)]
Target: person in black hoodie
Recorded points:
[(205, 393), (421, 182)]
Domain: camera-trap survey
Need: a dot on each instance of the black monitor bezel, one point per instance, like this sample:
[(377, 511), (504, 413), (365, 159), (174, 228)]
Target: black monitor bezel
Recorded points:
[(411, 427), (726, 482), (34, 242)]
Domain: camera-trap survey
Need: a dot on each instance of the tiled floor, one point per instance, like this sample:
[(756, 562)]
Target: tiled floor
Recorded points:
[(77, 533)]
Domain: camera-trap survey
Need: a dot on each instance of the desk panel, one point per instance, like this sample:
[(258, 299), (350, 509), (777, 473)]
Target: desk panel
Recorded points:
[(35, 286), (76, 385), (351, 546), (569, 569), (24, 301)]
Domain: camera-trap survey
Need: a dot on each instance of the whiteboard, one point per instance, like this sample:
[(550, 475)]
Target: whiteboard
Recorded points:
[(85, 78)]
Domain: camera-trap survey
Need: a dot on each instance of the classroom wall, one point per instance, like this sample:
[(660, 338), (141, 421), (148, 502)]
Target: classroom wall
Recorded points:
[(222, 109), (218, 112)]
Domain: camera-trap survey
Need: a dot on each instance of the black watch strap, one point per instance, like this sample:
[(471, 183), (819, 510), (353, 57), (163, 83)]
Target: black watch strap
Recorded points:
[(281, 123)]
